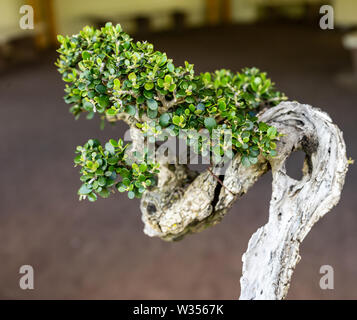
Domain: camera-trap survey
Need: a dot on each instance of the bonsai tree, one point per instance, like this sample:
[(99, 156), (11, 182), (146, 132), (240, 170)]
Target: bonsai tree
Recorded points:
[(237, 121)]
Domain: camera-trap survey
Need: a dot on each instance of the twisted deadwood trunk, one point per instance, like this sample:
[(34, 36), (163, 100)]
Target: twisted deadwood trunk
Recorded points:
[(185, 202)]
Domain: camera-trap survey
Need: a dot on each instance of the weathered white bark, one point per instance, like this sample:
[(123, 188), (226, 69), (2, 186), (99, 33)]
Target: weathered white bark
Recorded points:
[(295, 206), (185, 202)]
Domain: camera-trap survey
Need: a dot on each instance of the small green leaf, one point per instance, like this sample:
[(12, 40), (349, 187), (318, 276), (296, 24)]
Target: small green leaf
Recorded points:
[(108, 173), (170, 67), (130, 109), (116, 84), (121, 188), (149, 85), (176, 120), (271, 132), (221, 105), (131, 194), (85, 55), (143, 167), (100, 89), (77, 159), (113, 160), (160, 83), (152, 114), (200, 108), (111, 112), (92, 197), (172, 87), (126, 182), (152, 104), (263, 126), (105, 193), (84, 190), (148, 94), (103, 101), (109, 147), (168, 79), (164, 120), (207, 77), (245, 161), (87, 105), (132, 76), (190, 99), (257, 81), (60, 38), (102, 181), (210, 123), (273, 145), (113, 142)]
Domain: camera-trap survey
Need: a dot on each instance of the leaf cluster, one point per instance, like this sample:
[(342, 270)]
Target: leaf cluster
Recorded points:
[(104, 169), (109, 74)]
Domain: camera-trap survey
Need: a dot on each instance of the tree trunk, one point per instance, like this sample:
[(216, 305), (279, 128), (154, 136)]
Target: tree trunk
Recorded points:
[(185, 202)]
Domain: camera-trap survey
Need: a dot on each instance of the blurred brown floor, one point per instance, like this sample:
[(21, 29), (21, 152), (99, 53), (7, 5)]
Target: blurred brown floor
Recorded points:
[(84, 250)]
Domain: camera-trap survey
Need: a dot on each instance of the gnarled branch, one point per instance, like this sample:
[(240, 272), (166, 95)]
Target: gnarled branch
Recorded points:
[(185, 202)]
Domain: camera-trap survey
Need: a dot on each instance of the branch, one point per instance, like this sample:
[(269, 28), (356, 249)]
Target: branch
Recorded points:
[(183, 203), (166, 105), (273, 251)]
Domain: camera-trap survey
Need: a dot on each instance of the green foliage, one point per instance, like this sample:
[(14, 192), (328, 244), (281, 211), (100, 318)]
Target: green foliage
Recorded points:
[(106, 169), (107, 73)]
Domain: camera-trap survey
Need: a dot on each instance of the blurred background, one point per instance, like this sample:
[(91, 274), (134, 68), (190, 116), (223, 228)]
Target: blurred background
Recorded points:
[(82, 250)]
